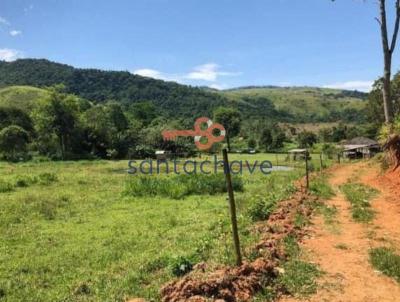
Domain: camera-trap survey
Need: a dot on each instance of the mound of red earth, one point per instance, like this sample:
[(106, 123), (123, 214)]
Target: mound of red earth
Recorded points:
[(241, 283), (391, 180)]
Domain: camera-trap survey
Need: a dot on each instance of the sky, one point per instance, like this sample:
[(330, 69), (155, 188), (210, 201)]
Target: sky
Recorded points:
[(216, 43)]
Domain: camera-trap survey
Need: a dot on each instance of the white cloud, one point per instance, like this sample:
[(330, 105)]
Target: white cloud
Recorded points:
[(150, 73), (217, 86), (15, 32), (365, 86), (208, 72), (9, 55), (4, 21)]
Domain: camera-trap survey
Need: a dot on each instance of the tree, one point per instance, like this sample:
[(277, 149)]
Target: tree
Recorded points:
[(144, 112), (252, 144), (278, 137), (14, 116), (230, 118), (388, 50), (306, 139), (13, 142), (266, 139), (59, 116), (388, 54)]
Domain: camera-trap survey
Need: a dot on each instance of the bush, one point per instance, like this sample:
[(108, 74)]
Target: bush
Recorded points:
[(5, 186), (260, 209), (22, 181), (47, 178), (13, 143), (181, 266)]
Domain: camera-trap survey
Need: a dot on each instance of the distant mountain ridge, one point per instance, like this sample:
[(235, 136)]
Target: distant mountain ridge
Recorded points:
[(289, 104)]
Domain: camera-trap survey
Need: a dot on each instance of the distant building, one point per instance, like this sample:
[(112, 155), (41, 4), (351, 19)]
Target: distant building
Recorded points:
[(298, 154), (360, 147), (162, 155)]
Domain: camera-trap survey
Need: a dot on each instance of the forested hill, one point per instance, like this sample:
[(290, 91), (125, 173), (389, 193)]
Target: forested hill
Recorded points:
[(181, 101), (100, 86)]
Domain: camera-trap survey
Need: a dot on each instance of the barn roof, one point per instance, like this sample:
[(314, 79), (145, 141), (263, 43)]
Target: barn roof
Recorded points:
[(364, 141), (297, 151)]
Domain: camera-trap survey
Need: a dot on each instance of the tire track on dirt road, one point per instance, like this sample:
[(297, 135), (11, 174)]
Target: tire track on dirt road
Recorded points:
[(343, 254)]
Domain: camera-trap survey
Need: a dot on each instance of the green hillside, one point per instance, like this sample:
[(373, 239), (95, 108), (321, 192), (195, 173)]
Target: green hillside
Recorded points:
[(172, 100), (307, 104), (21, 97), (99, 86)]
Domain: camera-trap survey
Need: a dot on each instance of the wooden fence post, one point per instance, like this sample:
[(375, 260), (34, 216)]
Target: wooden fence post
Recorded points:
[(320, 160), (307, 176), (232, 207)]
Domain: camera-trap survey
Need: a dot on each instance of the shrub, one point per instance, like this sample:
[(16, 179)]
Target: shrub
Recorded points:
[(22, 181), (181, 266), (13, 143), (5, 186), (260, 208), (47, 178)]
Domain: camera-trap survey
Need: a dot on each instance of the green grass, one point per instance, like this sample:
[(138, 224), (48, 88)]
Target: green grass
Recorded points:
[(386, 261), (69, 233), (21, 97), (320, 187), (298, 277), (359, 195)]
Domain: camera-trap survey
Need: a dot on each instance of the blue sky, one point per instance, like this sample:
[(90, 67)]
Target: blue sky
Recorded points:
[(217, 43)]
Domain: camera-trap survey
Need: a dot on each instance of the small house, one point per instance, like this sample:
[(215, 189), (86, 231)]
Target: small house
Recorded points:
[(162, 155), (298, 154), (360, 147)]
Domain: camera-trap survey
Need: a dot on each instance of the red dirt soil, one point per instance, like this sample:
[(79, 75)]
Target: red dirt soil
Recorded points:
[(343, 255), (240, 283)]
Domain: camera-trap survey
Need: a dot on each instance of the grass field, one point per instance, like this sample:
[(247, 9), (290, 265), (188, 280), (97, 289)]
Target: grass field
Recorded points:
[(21, 97), (71, 232)]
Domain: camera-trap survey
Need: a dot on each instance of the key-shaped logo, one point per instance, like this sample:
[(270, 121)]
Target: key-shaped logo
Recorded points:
[(198, 133)]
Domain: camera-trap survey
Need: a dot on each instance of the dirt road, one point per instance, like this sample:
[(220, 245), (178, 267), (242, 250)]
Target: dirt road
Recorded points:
[(341, 249)]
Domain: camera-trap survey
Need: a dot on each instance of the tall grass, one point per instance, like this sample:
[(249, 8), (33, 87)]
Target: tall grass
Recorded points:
[(179, 186)]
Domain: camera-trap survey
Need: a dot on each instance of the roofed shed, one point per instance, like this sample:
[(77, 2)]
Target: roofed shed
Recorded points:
[(360, 147)]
